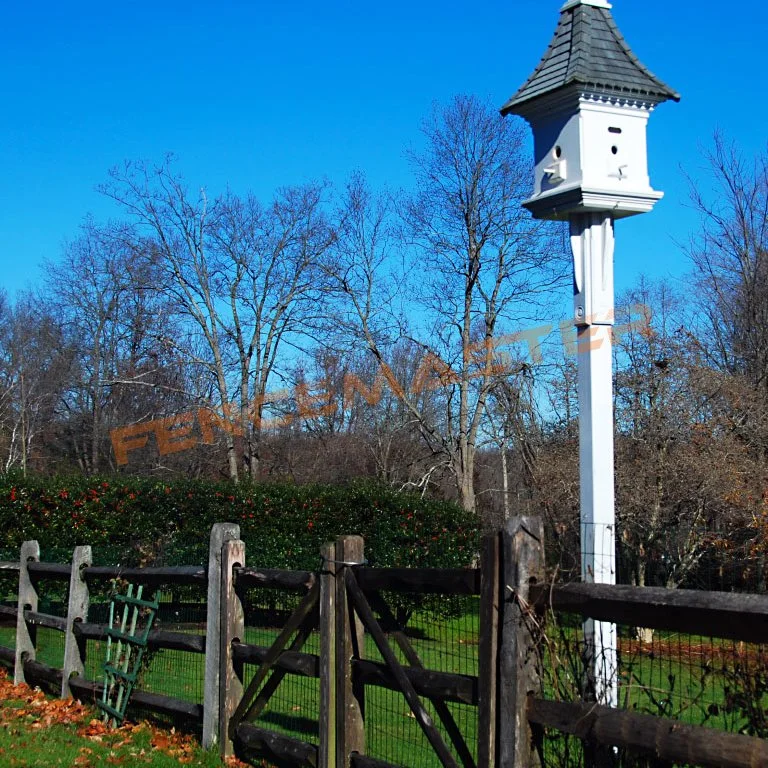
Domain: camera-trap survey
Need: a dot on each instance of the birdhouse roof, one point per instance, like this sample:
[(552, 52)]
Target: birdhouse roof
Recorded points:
[(589, 50)]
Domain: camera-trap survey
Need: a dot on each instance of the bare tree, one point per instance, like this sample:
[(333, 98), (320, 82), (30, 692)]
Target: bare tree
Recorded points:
[(654, 413), (682, 479), (102, 292), (471, 261), (269, 262), (730, 260), (729, 254), (34, 365), (242, 276), (514, 429)]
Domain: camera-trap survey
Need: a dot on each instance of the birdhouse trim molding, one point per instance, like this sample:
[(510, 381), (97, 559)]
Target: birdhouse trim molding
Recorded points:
[(565, 98), (562, 203)]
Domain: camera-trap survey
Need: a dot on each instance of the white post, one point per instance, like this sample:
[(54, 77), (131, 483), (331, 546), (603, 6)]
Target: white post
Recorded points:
[(592, 243)]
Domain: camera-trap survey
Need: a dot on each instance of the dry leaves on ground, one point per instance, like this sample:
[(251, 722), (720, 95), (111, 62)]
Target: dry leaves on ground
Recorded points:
[(39, 711), (36, 706)]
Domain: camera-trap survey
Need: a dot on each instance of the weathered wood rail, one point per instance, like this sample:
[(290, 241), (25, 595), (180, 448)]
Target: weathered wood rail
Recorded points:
[(33, 576), (344, 602), (740, 617), (667, 740), (726, 615)]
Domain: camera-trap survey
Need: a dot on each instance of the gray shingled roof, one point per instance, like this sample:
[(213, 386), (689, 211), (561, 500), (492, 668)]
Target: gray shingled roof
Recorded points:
[(589, 50)]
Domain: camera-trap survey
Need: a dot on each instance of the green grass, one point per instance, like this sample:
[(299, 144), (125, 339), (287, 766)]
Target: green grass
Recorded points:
[(696, 680), (691, 681)]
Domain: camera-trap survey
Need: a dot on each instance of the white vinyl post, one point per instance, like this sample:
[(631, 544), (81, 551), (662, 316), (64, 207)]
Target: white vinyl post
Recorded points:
[(592, 243)]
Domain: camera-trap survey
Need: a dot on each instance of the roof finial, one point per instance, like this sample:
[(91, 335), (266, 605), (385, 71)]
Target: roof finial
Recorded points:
[(596, 3)]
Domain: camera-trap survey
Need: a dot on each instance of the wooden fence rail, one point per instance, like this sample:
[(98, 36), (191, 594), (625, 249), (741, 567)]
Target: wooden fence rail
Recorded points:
[(82, 575), (741, 617), (342, 602), (666, 740), (725, 615)]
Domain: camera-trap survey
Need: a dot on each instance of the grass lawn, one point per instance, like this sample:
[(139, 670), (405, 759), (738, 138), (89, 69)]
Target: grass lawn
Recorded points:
[(392, 734), (689, 679)]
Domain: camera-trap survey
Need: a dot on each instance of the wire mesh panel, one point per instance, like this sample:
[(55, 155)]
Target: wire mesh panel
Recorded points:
[(175, 673), (9, 593), (697, 680), (49, 646), (441, 634), (693, 679), (293, 708), (703, 560)]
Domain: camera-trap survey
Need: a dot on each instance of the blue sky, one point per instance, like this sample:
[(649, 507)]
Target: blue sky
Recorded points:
[(259, 94)]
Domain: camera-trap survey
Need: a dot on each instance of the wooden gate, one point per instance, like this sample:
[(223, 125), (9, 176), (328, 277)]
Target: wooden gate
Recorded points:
[(351, 607), (264, 684), (364, 607)]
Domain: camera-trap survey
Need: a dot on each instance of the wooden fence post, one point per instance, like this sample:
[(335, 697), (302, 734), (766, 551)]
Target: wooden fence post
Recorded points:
[(220, 533), (522, 556), (77, 611), (327, 716), (26, 636), (488, 650), (350, 643), (232, 630)]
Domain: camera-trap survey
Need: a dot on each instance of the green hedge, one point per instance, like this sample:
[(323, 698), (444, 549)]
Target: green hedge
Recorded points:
[(137, 521)]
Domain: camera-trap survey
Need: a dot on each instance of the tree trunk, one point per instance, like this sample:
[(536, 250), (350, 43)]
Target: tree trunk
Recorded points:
[(505, 481), (251, 414), (643, 634), (252, 460), (232, 457), (466, 486)]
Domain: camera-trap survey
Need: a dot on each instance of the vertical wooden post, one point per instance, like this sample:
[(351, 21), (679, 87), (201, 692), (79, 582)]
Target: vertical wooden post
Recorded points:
[(522, 555), (488, 650), (220, 533), (26, 636), (328, 657), (350, 643), (232, 630), (77, 611)]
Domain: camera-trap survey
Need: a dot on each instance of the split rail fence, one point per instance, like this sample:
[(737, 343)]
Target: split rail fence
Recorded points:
[(346, 631)]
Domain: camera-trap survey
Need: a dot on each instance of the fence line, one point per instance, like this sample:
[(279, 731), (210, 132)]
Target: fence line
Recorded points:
[(364, 646)]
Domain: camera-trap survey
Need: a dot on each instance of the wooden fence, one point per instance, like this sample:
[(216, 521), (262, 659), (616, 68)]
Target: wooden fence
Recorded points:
[(344, 602)]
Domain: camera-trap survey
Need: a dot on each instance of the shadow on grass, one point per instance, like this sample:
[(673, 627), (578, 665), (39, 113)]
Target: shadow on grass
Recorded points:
[(291, 723)]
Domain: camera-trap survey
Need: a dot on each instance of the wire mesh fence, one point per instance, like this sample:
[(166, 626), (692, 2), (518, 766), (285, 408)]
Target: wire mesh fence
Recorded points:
[(175, 673), (9, 593), (697, 680), (293, 709), (702, 559), (443, 631), (693, 679), (439, 633)]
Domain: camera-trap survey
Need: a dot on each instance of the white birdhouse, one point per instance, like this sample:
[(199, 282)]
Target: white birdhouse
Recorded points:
[(588, 103)]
